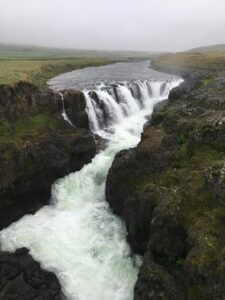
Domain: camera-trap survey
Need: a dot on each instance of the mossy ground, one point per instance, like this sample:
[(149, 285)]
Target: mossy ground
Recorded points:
[(166, 185), (211, 60), (184, 194), (31, 127)]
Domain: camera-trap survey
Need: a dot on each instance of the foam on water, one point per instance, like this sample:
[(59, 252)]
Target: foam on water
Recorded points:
[(77, 236)]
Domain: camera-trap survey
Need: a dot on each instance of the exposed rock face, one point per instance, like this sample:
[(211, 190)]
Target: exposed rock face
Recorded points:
[(37, 146), (28, 170), (75, 105), (22, 278), (24, 100), (170, 191)]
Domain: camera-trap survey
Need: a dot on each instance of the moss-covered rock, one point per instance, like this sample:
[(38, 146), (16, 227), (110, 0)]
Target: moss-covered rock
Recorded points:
[(37, 146), (170, 191)]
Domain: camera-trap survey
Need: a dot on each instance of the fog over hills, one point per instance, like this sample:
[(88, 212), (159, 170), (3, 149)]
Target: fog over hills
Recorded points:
[(144, 25), (26, 51), (220, 47)]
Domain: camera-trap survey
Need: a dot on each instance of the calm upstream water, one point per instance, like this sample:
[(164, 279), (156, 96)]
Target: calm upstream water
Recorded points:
[(109, 74), (77, 236)]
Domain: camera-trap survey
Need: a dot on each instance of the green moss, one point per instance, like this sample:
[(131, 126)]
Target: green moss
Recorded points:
[(197, 206), (206, 81), (162, 296), (11, 132), (205, 155), (169, 178), (181, 139), (183, 190), (202, 157)]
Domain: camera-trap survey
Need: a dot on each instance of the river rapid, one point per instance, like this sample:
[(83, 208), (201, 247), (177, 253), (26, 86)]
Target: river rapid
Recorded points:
[(77, 236)]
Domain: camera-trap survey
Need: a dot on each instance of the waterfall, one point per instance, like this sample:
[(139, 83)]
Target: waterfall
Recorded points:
[(110, 105), (64, 114), (77, 236)]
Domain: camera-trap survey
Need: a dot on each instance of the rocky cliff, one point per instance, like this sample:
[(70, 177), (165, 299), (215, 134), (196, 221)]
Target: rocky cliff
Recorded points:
[(37, 146), (170, 190), (21, 278)]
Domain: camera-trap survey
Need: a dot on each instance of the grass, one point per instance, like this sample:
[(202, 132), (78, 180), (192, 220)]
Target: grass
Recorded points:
[(38, 64), (212, 60), (38, 71)]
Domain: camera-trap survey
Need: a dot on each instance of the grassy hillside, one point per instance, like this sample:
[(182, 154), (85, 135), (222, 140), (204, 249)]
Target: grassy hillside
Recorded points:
[(18, 51), (38, 64), (205, 60)]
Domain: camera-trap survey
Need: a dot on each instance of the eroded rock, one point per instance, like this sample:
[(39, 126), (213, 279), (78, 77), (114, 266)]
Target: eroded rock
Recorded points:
[(170, 192), (22, 278)]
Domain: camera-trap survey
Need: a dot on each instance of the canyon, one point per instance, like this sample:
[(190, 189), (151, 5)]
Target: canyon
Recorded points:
[(168, 188)]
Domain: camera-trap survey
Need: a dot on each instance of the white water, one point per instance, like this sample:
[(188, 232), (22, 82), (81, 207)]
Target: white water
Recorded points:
[(64, 114), (77, 236)]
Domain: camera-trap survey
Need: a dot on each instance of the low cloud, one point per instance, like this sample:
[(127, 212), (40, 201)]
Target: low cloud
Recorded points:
[(163, 25)]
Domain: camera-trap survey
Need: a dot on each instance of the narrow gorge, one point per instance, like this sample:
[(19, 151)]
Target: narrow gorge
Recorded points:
[(78, 237)]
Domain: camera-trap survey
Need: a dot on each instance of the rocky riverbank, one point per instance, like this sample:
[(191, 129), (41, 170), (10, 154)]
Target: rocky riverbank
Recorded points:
[(21, 278), (170, 191), (37, 146)]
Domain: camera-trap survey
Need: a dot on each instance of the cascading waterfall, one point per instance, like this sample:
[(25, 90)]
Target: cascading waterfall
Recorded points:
[(109, 105), (77, 236), (64, 114)]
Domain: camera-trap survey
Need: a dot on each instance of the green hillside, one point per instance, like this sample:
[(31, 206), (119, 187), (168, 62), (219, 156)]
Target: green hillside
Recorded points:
[(23, 51)]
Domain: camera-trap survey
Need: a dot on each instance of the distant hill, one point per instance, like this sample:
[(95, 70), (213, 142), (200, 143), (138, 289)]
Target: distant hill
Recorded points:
[(22, 51), (220, 47)]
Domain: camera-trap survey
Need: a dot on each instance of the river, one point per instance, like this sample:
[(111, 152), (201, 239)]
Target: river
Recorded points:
[(77, 236)]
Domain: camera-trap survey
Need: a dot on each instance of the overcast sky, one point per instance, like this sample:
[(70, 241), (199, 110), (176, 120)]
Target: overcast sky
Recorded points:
[(164, 25)]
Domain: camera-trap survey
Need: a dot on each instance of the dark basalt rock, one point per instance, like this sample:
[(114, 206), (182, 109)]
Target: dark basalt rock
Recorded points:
[(30, 162), (94, 96), (153, 280), (158, 116), (21, 278), (30, 170), (75, 104), (215, 179), (170, 192), (24, 100), (133, 204)]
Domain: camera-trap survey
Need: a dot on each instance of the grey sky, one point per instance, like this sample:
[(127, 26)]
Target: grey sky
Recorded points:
[(113, 24)]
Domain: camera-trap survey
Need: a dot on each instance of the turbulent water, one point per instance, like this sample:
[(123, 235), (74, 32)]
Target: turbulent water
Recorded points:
[(77, 236)]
